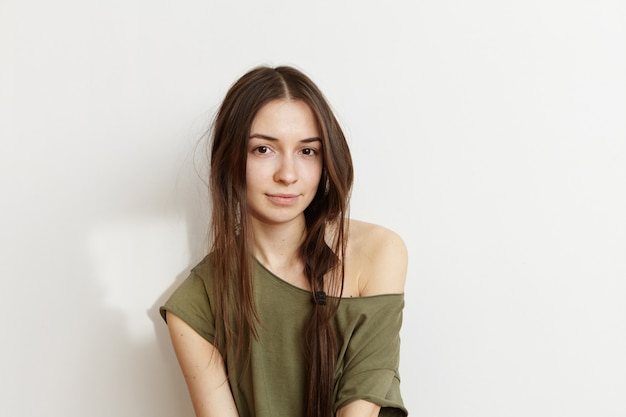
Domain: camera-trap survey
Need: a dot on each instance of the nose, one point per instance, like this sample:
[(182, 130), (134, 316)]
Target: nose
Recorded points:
[(286, 171)]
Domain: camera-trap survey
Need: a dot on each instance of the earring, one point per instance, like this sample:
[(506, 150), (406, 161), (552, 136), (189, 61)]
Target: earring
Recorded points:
[(237, 219), (326, 183)]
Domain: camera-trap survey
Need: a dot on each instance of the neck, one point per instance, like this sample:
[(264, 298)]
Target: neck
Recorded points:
[(278, 246)]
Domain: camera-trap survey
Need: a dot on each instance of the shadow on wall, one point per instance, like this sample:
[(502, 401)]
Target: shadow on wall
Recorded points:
[(138, 260), (133, 375)]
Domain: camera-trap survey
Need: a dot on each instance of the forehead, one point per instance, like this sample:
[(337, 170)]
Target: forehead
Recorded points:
[(287, 118)]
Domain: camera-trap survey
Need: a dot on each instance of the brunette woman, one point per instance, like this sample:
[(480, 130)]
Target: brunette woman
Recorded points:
[(297, 309)]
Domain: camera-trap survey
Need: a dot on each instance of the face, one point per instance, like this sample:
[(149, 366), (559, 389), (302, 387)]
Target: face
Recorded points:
[(284, 162)]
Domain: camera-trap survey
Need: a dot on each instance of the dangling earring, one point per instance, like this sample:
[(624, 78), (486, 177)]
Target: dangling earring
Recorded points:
[(237, 219), (327, 183)]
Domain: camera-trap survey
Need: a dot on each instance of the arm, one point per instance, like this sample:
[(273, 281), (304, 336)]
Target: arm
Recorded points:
[(203, 369), (359, 408)]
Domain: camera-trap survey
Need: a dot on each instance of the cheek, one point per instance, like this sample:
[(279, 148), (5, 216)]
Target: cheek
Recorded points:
[(318, 171), (253, 168), (251, 174), (258, 173)]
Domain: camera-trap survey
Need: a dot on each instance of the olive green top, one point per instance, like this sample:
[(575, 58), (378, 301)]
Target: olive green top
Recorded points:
[(274, 384)]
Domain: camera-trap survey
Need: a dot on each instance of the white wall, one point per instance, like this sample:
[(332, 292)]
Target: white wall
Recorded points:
[(490, 134)]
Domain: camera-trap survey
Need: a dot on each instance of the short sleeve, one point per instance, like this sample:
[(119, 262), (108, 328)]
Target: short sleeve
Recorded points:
[(370, 355), (191, 302)]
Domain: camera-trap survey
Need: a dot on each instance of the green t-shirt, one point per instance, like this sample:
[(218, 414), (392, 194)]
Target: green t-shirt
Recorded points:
[(274, 383)]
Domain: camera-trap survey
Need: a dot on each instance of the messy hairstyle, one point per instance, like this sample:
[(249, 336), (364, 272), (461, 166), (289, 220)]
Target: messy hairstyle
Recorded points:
[(322, 252)]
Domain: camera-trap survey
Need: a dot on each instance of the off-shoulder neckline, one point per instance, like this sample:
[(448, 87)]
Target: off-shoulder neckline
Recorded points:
[(307, 293)]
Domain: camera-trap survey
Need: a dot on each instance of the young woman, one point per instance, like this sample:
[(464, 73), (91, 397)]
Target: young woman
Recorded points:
[(297, 309)]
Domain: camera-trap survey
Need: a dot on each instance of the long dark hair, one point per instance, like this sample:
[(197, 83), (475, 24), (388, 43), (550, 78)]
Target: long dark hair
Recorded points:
[(236, 315)]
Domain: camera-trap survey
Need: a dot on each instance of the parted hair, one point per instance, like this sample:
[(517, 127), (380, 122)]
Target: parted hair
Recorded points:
[(322, 252)]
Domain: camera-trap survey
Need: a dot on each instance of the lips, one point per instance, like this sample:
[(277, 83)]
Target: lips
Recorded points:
[(283, 199)]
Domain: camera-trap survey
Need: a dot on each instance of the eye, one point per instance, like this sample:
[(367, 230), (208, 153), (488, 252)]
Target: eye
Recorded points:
[(309, 151), (262, 150)]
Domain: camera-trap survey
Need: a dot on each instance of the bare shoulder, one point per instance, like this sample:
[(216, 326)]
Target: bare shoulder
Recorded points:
[(376, 260)]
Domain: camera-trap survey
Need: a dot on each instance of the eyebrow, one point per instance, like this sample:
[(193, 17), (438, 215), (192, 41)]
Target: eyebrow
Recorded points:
[(270, 138)]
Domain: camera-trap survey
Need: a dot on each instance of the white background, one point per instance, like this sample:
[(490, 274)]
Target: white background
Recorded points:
[(490, 134)]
